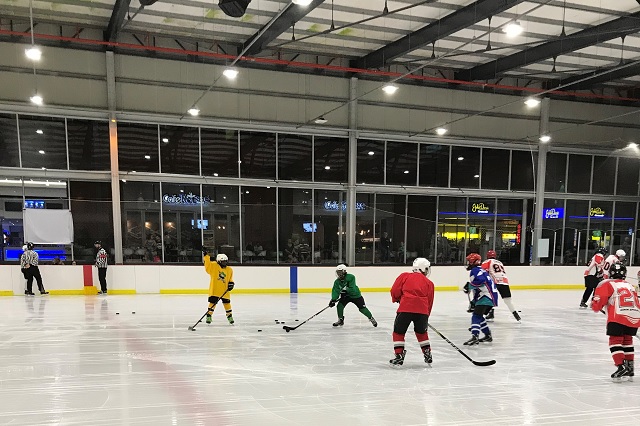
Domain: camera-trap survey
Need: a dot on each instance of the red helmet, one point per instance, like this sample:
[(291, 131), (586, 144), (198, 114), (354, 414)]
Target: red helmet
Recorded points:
[(491, 254), (473, 259)]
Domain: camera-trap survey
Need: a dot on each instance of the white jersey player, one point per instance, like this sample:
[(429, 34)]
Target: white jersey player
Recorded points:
[(499, 276), (611, 260), (591, 280)]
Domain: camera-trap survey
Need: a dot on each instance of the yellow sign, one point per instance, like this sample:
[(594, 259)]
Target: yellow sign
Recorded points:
[(596, 212), (480, 208)]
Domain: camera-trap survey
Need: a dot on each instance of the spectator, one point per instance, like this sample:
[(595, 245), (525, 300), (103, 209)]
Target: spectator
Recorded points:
[(385, 247), (57, 261)]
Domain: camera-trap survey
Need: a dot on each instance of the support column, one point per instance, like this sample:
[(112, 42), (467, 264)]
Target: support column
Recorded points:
[(351, 183), (543, 149), (113, 153)]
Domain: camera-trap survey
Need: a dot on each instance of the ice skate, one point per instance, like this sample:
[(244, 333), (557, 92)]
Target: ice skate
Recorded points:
[(230, 319), (473, 341), (620, 373), (208, 319), (428, 358), (398, 360), (630, 369), (44, 293), (516, 316), (583, 305), (487, 338), (339, 323), (373, 321), (490, 316), (26, 293)]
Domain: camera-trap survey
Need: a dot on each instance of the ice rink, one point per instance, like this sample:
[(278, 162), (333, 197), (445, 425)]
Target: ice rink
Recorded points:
[(91, 361)]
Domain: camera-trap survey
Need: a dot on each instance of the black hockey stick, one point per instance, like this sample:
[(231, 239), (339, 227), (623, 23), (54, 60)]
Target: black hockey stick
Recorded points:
[(478, 363), (288, 329), (193, 327)]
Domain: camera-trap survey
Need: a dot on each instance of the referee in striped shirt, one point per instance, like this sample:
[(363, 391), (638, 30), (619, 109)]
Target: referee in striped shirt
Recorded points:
[(29, 265), (101, 263)]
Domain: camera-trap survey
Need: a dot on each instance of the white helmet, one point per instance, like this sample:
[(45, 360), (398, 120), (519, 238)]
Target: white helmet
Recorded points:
[(621, 254), (222, 258), (341, 268), (423, 265)]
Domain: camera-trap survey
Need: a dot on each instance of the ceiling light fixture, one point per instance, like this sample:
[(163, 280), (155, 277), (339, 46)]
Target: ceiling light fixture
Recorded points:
[(632, 145), (476, 176), (40, 132), (147, 157), (441, 131), (41, 152), (532, 102), (406, 172), (302, 2), (230, 73), (194, 111), (513, 29), (36, 99), (215, 175), (371, 153), (327, 167), (321, 120), (545, 138), (460, 158), (390, 89), (165, 140), (33, 53)]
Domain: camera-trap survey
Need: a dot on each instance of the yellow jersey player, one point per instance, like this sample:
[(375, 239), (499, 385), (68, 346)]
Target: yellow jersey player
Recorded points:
[(220, 284)]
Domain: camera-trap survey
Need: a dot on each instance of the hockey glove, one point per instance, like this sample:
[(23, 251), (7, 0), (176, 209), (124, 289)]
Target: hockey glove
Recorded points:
[(466, 288), (332, 303), (205, 251), (231, 286)]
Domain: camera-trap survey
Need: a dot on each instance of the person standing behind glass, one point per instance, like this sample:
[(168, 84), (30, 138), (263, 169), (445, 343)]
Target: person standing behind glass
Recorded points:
[(385, 247), (101, 264)]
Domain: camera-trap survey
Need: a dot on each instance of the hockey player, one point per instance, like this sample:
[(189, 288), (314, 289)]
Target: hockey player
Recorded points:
[(345, 288), (623, 318), (591, 280), (221, 283), (499, 277), (101, 263), (610, 260), (29, 262), (414, 292), (484, 296)]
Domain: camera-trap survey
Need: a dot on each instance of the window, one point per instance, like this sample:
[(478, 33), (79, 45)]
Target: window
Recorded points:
[(552, 221), (258, 221), (43, 142), (522, 170), (421, 227), (331, 223), (575, 230), (601, 215), (495, 168), (141, 225), (219, 153), (9, 141), (555, 178), (297, 230), (390, 237), (370, 163), (480, 236), (510, 231), (88, 145), (604, 174), (364, 228), (434, 165), (257, 155), (331, 156), (182, 223), (92, 218), (465, 167), (451, 229), (138, 147), (623, 228), (628, 174), (579, 173), (402, 163), (180, 150), (221, 224), (294, 157)]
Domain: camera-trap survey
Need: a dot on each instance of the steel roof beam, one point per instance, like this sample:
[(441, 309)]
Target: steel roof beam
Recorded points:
[(293, 14), (120, 10), (554, 48), (618, 72), (450, 24)]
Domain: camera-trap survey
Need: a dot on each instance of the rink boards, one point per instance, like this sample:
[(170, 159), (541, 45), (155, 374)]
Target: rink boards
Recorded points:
[(179, 279)]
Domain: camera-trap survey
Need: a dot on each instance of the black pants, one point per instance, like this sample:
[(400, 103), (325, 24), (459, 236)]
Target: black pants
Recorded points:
[(590, 282), (359, 301), (102, 277), (404, 319), (31, 273)]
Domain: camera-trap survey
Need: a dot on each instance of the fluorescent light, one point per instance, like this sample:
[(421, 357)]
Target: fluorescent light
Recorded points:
[(41, 152), (532, 102), (194, 111), (246, 192), (513, 29), (147, 157), (371, 153), (165, 140), (215, 174), (632, 145), (327, 167), (545, 138), (302, 2), (441, 131), (476, 176), (460, 158), (230, 73), (123, 180), (36, 99), (321, 120), (15, 182), (390, 89), (39, 131), (406, 172), (33, 53)]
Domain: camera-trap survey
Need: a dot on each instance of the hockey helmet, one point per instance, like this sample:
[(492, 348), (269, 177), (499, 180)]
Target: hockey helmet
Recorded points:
[(618, 271), (29, 246), (491, 254), (473, 260), (602, 250), (341, 270), (222, 259), (422, 265), (621, 254)]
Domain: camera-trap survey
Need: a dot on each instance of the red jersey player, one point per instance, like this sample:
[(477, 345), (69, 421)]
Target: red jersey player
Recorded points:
[(591, 280), (623, 318), (499, 276), (610, 260), (414, 292)]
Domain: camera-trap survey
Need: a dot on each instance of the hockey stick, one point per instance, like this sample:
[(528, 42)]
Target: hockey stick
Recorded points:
[(193, 327), (478, 363), (288, 329)]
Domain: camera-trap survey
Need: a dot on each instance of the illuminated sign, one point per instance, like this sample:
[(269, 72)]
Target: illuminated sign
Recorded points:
[(335, 206), (518, 233), (481, 208), (596, 212), (189, 199), (202, 224), (554, 213), (33, 204)]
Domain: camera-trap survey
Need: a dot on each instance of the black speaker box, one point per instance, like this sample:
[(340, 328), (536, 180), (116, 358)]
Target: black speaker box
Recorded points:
[(234, 8)]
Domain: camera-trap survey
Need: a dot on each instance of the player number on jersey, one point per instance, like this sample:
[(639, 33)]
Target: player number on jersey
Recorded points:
[(627, 299), (498, 268)]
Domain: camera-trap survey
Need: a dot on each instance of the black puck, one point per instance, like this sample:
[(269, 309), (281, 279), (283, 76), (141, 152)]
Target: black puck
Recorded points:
[(117, 313), (133, 312), (259, 330)]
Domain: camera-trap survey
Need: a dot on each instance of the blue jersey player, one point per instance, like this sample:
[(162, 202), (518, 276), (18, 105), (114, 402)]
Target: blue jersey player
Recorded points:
[(484, 296)]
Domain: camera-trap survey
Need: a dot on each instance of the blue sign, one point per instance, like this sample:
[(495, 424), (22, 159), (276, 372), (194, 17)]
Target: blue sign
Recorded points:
[(34, 204), (335, 206), (554, 213)]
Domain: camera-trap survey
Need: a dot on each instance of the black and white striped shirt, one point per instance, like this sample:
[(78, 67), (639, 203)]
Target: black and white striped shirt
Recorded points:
[(29, 257), (101, 258)]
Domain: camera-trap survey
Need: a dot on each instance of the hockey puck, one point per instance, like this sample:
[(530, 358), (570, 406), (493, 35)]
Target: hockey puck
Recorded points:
[(297, 320), (259, 330), (133, 313), (282, 322), (117, 313)]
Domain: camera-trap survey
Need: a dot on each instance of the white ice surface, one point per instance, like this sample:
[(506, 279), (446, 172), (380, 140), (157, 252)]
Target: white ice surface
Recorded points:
[(73, 361)]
